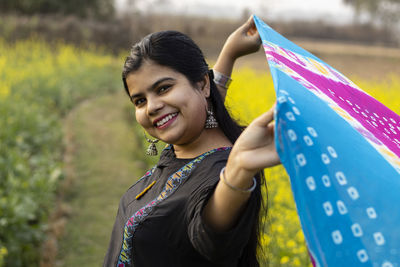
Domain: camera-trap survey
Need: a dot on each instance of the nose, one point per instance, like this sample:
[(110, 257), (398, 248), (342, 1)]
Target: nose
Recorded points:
[(154, 105)]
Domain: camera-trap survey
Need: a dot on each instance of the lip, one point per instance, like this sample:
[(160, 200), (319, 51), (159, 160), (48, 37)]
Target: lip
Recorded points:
[(167, 123)]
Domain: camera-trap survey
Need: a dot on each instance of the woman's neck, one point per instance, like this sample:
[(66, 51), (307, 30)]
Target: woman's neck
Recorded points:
[(209, 139)]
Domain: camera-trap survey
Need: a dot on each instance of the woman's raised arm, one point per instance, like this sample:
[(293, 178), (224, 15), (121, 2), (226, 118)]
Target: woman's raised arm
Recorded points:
[(243, 41)]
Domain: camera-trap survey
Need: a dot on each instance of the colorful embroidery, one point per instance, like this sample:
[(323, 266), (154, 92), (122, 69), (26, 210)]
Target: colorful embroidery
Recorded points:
[(148, 174), (173, 182)]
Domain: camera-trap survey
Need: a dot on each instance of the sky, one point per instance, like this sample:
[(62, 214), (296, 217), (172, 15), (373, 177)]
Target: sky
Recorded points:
[(329, 10)]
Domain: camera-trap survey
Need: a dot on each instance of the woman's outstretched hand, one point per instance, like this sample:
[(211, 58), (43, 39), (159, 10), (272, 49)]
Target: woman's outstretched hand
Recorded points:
[(255, 149), (243, 41)]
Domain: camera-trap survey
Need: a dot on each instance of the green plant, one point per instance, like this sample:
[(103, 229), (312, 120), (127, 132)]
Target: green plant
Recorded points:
[(38, 85)]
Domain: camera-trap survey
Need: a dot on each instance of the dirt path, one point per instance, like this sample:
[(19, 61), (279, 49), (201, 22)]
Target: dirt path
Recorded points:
[(100, 165)]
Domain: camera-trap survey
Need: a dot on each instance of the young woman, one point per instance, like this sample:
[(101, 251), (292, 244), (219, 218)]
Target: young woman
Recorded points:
[(199, 206)]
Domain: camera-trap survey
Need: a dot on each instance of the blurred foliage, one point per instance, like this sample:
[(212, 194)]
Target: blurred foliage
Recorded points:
[(120, 33), (251, 94), (38, 85), (83, 32), (94, 8), (385, 11)]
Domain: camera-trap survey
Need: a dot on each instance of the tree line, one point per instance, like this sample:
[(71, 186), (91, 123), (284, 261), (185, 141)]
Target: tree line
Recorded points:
[(86, 8), (386, 12)]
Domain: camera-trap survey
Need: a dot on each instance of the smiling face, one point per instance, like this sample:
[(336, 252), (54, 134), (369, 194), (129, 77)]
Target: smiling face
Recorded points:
[(167, 105)]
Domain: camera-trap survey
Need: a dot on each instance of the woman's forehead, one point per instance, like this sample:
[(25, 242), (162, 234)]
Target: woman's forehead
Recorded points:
[(148, 74)]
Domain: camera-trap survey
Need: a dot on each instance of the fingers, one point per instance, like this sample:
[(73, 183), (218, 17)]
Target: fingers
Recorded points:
[(250, 30), (267, 117), (243, 41), (256, 37), (250, 21), (248, 25)]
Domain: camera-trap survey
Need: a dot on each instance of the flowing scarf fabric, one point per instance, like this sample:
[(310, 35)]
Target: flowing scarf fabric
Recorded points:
[(341, 149)]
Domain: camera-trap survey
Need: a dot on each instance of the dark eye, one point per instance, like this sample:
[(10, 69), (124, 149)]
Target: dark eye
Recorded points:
[(163, 88), (138, 101)]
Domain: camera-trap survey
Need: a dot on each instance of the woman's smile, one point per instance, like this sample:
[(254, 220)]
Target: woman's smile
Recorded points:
[(165, 121)]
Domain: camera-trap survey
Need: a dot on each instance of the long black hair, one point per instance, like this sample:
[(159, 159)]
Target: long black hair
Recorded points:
[(179, 52)]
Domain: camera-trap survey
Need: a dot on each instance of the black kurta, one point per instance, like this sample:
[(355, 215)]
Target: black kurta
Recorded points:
[(164, 227)]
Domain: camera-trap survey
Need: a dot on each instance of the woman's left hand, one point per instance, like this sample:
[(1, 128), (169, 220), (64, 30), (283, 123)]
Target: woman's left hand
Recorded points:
[(255, 149), (243, 41)]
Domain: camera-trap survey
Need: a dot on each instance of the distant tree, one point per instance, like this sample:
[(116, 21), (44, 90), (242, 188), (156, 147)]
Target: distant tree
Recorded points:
[(386, 12), (81, 8)]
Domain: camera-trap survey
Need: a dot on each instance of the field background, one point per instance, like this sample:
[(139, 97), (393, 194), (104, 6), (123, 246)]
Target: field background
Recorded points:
[(70, 146)]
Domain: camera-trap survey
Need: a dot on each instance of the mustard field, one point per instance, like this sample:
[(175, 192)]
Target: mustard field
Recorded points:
[(41, 83)]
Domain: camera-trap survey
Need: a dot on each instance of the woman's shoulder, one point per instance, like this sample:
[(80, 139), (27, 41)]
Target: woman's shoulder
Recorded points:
[(213, 161), (206, 173), (131, 194), (217, 154), (219, 157)]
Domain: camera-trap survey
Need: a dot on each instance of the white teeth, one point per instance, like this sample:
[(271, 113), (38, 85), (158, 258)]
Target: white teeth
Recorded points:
[(165, 120)]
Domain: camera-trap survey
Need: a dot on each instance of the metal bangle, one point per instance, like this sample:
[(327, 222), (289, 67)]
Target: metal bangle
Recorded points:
[(251, 189), (221, 79)]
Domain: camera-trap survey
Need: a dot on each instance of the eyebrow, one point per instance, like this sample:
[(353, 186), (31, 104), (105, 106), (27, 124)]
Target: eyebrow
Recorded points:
[(153, 86)]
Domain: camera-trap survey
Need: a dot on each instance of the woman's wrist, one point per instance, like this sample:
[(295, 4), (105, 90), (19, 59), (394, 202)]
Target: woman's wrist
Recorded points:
[(229, 52), (237, 176), (222, 72), (233, 187), (224, 64)]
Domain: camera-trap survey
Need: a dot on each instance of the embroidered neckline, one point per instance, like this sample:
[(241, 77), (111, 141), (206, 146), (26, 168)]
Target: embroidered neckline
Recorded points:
[(172, 183)]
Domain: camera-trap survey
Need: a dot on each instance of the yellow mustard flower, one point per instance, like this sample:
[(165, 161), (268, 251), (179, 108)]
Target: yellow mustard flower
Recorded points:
[(285, 259)]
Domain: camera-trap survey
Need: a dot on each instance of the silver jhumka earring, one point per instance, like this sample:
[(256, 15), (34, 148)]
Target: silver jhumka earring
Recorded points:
[(211, 121), (152, 149)]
